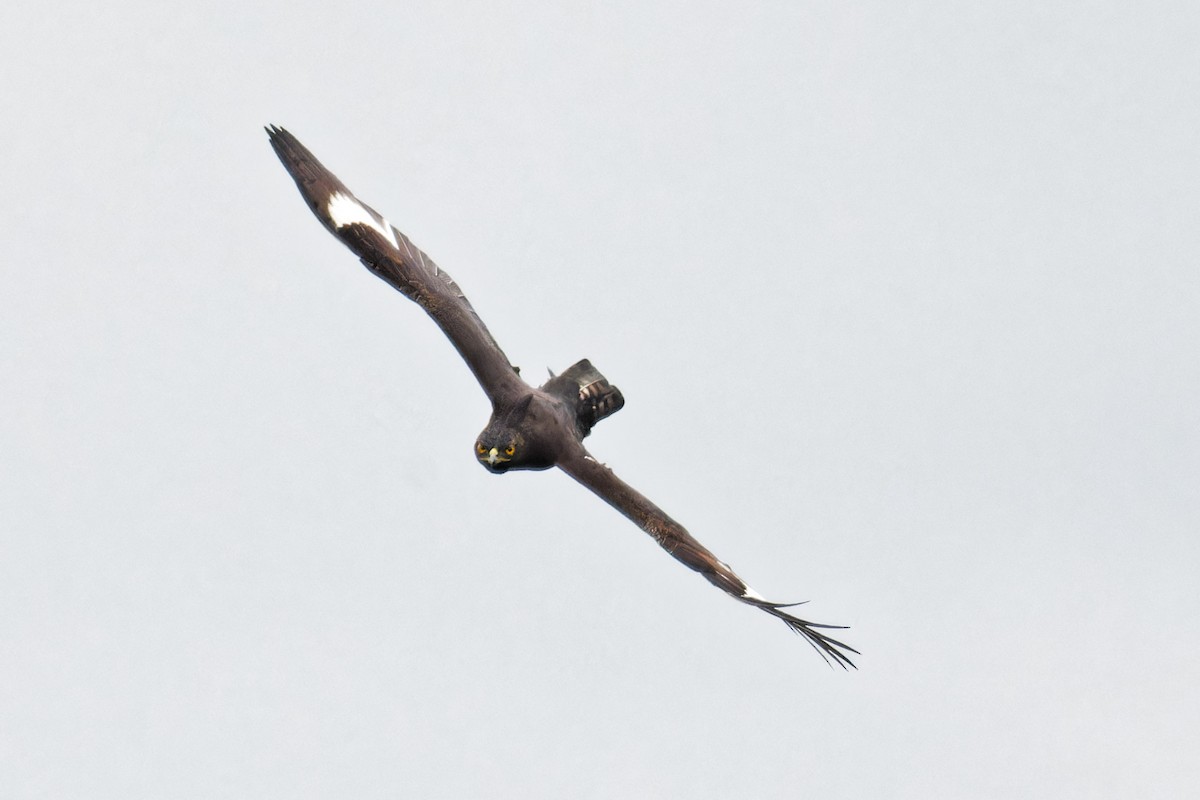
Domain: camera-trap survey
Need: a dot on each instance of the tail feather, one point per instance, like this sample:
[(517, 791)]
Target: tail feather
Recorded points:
[(590, 392)]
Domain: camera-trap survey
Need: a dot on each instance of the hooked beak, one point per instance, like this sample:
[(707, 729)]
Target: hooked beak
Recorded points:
[(494, 461)]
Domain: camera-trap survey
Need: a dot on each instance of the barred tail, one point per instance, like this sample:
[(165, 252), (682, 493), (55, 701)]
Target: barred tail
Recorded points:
[(590, 392)]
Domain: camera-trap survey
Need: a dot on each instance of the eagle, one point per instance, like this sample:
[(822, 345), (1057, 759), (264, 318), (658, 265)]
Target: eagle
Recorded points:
[(531, 428)]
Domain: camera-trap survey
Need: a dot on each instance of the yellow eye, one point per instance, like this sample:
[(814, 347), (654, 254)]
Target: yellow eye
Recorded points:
[(508, 451), (479, 448)]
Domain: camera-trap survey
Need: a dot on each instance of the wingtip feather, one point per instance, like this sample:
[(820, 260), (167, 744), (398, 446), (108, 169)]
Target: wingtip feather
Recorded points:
[(826, 646)]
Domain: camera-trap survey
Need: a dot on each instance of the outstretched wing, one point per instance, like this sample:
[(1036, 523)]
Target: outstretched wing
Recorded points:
[(675, 539), (389, 254)]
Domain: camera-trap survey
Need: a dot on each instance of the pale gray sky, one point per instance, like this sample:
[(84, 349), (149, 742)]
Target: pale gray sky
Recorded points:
[(904, 302)]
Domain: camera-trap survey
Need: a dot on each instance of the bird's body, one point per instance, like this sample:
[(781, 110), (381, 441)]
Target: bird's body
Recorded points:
[(530, 428), (535, 429)]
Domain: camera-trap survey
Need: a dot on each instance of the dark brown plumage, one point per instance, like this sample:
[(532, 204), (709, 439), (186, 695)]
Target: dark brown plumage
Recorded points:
[(530, 428)]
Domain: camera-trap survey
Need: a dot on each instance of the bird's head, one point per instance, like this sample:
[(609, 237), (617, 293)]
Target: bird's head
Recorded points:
[(516, 437), (500, 449)]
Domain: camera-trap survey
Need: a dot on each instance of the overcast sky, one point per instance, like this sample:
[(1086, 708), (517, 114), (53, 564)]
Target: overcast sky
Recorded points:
[(903, 299)]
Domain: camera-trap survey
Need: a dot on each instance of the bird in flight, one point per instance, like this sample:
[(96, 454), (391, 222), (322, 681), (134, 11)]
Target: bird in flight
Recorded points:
[(530, 428)]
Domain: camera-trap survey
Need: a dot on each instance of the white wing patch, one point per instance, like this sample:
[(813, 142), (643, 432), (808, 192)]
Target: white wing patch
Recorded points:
[(344, 210), (747, 592), (753, 595)]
